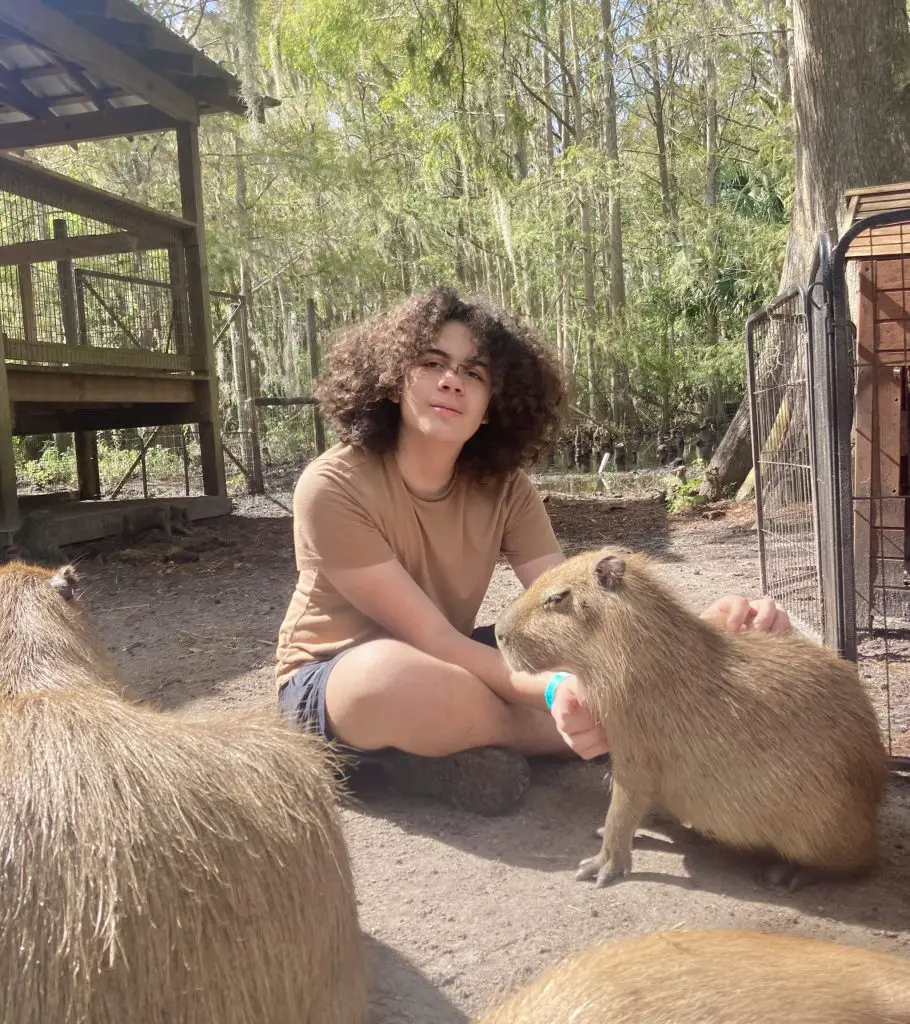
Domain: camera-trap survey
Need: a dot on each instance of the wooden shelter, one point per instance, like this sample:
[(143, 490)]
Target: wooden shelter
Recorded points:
[(881, 477), (105, 318)]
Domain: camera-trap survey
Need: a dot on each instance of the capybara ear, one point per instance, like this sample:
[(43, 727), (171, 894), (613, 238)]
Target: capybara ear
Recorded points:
[(609, 571), (63, 581)]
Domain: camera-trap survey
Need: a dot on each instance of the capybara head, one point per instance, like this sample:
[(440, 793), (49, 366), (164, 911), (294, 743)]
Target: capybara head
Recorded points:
[(588, 608), (46, 640)]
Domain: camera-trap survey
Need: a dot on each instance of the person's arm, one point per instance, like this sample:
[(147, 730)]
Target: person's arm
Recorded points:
[(389, 596), (529, 571)]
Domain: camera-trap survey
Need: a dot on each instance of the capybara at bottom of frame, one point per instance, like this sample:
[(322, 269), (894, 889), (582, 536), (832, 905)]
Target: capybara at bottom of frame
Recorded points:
[(157, 867), (762, 741), (716, 977)]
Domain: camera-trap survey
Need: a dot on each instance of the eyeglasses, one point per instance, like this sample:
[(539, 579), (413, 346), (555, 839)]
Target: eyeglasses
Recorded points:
[(436, 367)]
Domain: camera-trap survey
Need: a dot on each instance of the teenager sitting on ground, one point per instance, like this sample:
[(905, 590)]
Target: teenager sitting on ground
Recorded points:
[(397, 530)]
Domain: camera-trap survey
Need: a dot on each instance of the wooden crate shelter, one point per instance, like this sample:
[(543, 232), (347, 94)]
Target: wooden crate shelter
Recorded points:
[(105, 319), (881, 477)]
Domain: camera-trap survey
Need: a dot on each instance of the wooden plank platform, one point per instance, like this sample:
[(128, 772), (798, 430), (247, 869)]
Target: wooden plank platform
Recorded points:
[(75, 522), (66, 386)]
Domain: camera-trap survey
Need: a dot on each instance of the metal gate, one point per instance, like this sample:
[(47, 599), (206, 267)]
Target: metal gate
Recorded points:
[(802, 374), (779, 353)]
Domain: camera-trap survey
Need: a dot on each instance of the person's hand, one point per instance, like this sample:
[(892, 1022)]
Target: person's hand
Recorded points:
[(575, 722), (735, 612)]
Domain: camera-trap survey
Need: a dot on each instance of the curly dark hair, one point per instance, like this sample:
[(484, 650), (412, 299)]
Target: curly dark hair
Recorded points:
[(367, 364)]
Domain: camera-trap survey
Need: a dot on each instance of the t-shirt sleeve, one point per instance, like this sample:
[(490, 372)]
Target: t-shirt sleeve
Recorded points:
[(528, 531), (332, 527)]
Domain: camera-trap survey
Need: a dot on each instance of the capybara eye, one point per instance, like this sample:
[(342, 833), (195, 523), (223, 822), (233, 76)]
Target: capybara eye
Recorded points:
[(557, 598)]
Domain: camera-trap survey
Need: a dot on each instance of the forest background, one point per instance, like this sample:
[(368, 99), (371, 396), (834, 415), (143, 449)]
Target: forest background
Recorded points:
[(620, 173)]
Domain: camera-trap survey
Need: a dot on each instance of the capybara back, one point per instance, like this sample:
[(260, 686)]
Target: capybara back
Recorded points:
[(155, 867), (716, 977)]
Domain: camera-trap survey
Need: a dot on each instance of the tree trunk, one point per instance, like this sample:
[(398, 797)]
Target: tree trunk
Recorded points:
[(587, 241), (611, 151), (711, 127), (852, 111)]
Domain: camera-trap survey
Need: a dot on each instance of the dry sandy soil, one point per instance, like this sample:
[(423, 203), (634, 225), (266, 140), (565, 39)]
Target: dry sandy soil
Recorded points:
[(459, 908)]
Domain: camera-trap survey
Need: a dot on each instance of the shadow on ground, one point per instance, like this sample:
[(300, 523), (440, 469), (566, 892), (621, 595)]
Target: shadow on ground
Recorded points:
[(555, 828), (401, 994)]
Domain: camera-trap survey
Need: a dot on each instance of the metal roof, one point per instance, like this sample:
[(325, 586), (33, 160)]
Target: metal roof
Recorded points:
[(41, 82)]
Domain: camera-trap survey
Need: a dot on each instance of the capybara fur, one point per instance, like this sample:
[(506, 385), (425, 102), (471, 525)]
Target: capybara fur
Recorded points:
[(763, 741), (157, 867), (46, 640), (716, 977)]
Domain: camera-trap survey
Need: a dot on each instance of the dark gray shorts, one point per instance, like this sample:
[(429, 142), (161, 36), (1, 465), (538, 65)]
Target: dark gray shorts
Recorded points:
[(302, 697)]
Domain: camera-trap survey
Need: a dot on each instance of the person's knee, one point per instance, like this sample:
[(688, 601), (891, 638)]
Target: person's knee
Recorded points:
[(366, 687)]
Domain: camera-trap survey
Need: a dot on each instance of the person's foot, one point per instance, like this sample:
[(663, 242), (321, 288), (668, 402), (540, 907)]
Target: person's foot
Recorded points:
[(485, 780)]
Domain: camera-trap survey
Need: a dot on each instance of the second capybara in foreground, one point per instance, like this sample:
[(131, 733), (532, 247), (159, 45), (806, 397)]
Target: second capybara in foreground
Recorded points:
[(716, 977), (762, 741), (157, 867)]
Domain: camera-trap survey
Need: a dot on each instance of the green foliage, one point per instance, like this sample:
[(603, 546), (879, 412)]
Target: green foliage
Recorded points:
[(441, 140), (682, 495), (56, 470)]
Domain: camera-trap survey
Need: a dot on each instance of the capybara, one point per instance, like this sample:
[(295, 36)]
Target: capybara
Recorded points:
[(156, 867), (46, 640), (716, 977), (762, 741)]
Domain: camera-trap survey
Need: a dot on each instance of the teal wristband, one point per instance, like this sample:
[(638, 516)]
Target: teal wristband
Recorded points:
[(549, 694)]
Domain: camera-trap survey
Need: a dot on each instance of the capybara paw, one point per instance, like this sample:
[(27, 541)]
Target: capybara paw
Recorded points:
[(792, 877), (604, 869)]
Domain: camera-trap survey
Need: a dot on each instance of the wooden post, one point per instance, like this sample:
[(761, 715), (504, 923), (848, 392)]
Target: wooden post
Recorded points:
[(181, 313), (27, 300), (9, 500), (197, 277), (66, 282), (313, 349), (80, 307), (84, 441)]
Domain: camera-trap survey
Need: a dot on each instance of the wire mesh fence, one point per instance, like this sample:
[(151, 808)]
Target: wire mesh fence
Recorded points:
[(144, 462), (780, 376), (828, 382)]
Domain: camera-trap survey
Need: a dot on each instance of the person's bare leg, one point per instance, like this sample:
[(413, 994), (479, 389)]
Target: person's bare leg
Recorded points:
[(388, 694)]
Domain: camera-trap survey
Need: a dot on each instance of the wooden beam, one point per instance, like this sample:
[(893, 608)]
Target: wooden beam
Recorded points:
[(89, 358), (9, 502), (215, 93), (30, 384), (117, 33), (14, 94), (38, 419), (79, 247), (197, 275), (29, 180), (56, 32), (97, 95), (69, 128), (43, 71), (167, 62), (281, 401)]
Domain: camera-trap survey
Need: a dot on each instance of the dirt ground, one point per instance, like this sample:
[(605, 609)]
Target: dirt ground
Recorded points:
[(460, 908)]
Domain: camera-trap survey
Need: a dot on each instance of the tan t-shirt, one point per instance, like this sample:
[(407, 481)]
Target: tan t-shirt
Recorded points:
[(352, 508)]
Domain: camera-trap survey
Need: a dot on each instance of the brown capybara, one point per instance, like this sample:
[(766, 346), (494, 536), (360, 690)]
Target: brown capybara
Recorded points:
[(46, 640), (156, 867), (762, 741), (716, 977)]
